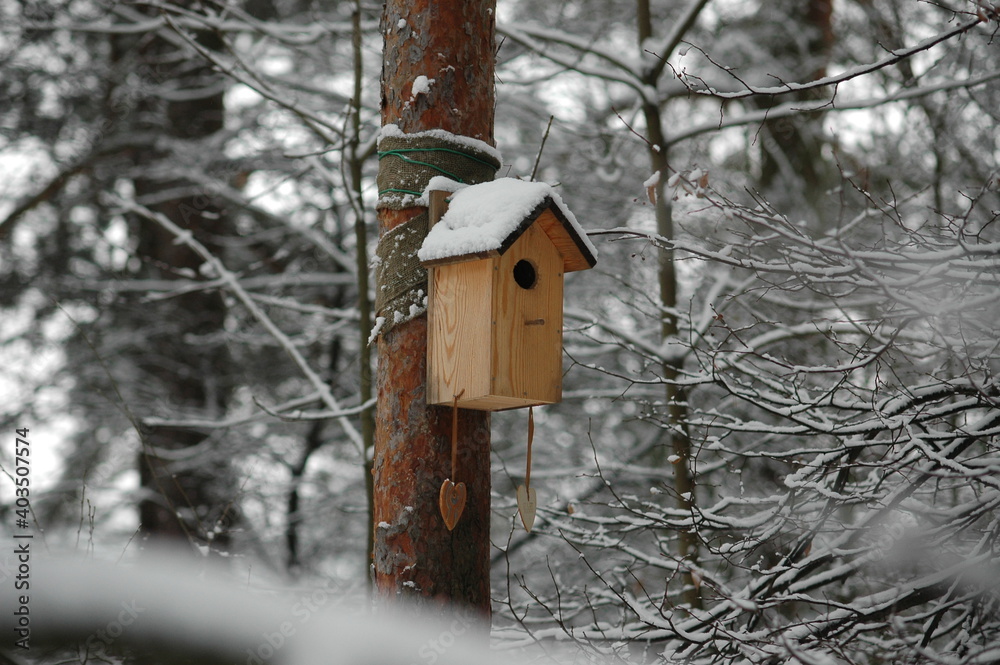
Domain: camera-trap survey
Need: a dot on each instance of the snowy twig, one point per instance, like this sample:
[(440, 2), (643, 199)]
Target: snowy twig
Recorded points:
[(185, 237), (798, 108), (855, 72)]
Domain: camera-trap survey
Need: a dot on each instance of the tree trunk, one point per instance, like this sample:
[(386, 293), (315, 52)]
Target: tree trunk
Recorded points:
[(791, 149), (452, 42), (181, 361), (355, 162), (677, 411)]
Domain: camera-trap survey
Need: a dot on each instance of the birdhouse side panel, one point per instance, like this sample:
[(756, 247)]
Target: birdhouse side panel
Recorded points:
[(527, 308), (575, 253), (459, 320)]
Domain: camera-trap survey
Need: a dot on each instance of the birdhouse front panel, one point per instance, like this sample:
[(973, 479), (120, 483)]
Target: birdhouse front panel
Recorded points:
[(527, 316), (459, 332), (495, 328)]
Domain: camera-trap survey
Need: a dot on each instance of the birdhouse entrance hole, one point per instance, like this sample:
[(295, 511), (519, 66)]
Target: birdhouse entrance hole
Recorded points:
[(496, 256), (524, 274)]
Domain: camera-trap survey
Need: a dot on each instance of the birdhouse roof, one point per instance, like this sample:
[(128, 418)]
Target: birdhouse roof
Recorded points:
[(485, 220)]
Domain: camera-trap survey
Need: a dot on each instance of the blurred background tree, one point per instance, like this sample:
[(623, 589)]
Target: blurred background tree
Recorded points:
[(779, 437)]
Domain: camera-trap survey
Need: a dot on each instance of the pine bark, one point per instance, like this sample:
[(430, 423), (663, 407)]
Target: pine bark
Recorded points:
[(451, 42)]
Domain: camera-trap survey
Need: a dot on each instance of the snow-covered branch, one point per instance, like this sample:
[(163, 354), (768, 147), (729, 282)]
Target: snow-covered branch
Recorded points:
[(893, 58), (231, 281)]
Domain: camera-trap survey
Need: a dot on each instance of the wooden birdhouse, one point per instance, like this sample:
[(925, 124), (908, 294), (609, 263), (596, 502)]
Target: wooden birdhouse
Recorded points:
[(496, 261)]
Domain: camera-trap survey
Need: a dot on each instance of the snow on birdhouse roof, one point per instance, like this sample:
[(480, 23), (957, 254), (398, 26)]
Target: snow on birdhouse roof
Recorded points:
[(485, 219)]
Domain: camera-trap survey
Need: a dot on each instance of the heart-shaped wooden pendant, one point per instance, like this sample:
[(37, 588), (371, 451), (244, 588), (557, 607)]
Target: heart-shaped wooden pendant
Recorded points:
[(451, 500), (527, 502)]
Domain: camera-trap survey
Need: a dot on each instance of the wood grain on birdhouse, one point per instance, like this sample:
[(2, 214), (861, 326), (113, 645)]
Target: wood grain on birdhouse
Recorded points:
[(459, 313), (496, 338), (527, 351), (495, 271)]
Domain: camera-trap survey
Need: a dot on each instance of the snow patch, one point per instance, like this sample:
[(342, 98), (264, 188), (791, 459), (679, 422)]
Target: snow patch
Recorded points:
[(379, 324), (421, 86), (672, 349), (440, 183)]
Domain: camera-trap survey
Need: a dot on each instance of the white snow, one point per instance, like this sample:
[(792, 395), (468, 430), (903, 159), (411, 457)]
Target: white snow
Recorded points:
[(421, 85), (480, 217), (440, 183), (672, 349), (401, 23), (379, 324), (652, 181)]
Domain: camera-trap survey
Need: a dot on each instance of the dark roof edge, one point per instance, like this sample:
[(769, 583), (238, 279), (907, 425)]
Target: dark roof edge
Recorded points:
[(545, 204)]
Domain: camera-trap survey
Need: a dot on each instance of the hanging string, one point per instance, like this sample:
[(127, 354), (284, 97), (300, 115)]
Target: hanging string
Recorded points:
[(451, 497), (531, 437), (454, 436)]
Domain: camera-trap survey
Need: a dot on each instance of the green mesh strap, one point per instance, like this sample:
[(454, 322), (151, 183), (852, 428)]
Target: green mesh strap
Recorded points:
[(400, 280), (406, 165)]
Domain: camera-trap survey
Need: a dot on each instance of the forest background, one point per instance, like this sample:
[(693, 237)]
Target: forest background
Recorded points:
[(778, 441)]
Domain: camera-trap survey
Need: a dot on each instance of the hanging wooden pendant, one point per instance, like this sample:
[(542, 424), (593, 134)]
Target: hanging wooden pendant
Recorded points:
[(527, 499), (451, 498), (451, 501), (527, 502)]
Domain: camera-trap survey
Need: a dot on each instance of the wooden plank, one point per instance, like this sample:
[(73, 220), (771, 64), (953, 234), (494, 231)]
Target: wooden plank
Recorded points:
[(573, 254), (437, 208), (500, 403), (459, 322), (527, 350), (449, 260)]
